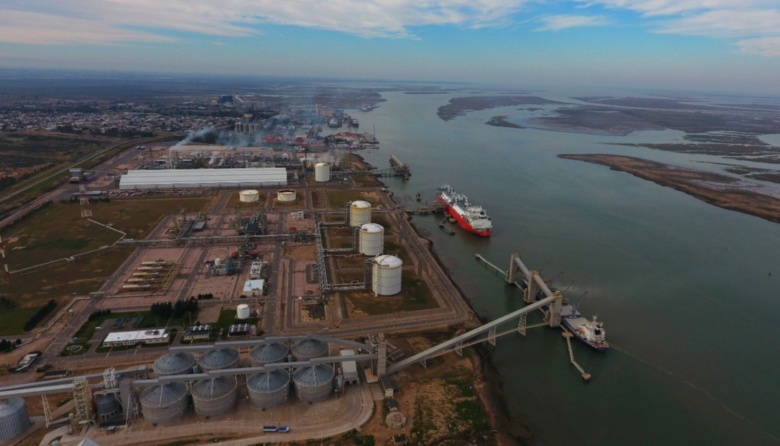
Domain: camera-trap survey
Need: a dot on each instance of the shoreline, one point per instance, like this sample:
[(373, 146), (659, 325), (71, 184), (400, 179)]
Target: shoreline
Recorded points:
[(711, 188)]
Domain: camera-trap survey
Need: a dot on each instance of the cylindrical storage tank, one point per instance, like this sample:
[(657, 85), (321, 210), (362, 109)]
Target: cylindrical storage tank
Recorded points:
[(386, 275), (359, 213), (174, 363), (268, 354), (268, 389), (313, 384), (220, 358), (372, 239), (243, 312), (107, 405), (322, 172), (308, 349), (164, 403), (13, 418), (285, 195), (248, 196), (214, 397)]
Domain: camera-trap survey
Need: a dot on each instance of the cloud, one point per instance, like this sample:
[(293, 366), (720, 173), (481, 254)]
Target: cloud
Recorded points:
[(559, 22), (755, 24), (73, 21), (765, 46)]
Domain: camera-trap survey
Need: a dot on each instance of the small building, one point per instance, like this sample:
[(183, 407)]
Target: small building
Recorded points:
[(197, 332), (254, 287), (238, 330), (154, 336), (349, 368), (392, 405)]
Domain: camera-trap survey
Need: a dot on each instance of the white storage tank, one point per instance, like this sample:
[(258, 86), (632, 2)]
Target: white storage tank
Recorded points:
[(386, 275), (219, 358), (164, 403), (314, 383), (268, 389), (214, 397), (268, 354), (359, 213), (372, 239), (249, 196), (13, 418), (243, 311), (285, 195), (322, 172)]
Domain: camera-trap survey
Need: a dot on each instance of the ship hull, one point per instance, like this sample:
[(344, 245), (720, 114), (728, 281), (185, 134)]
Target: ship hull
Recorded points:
[(463, 223), (572, 326)]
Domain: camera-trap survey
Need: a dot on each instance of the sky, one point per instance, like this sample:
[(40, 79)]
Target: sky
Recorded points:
[(702, 45)]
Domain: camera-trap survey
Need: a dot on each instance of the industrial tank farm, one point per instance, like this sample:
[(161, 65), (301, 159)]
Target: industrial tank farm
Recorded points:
[(214, 397), (268, 389), (164, 403)]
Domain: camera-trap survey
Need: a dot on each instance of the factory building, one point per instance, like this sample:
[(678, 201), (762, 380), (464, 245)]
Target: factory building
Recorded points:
[(191, 178), (156, 336)]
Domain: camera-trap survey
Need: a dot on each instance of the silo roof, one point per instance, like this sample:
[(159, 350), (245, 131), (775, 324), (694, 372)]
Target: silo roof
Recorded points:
[(219, 358), (313, 376), (164, 394), (269, 353), (310, 348), (213, 388), (10, 406), (388, 261), (268, 381), (372, 227), (173, 363), (360, 204)]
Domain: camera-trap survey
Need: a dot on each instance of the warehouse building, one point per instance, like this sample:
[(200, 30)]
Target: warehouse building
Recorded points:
[(192, 178), (155, 336)]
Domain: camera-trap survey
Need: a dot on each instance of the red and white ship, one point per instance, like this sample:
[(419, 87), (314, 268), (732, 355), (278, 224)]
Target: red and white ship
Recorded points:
[(470, 217)]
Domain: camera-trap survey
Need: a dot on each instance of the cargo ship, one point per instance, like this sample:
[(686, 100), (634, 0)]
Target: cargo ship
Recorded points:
[(591, 332), (470, 217)]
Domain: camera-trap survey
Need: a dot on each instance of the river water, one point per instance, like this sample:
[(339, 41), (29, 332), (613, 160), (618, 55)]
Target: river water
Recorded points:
[(689, 293)]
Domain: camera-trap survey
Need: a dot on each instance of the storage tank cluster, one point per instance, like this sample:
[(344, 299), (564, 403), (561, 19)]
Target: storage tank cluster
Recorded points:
[(249, 196), (218, 359), (359, 213), (372, 239), (308, 349), (214, 397), (285, 195), (386, 275), (174, 363), (164, 403), (314, 383), (268, 354), (268, 389), (322, 172)]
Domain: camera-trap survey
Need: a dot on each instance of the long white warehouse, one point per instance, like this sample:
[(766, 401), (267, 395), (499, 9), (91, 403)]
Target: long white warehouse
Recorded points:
[(188, 178)]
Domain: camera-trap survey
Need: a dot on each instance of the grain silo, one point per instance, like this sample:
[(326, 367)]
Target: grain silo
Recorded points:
[(372, 239), (174, 363), (214, 397), (219, 358), (13, 418), (268, 354), (314, 383), (164, 403), (359, 213), (308, 349), (107, 406), (386, 275), (249, 196), (268, 389), (285, 195), (322, 172)]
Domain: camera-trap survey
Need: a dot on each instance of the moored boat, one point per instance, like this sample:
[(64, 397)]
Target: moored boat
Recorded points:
[(470, 217)]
